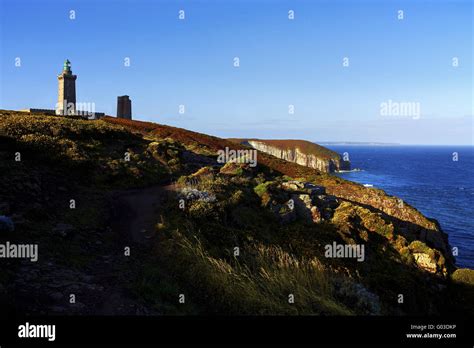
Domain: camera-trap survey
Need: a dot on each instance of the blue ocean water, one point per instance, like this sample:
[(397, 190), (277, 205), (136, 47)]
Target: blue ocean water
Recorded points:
[(427, 178)]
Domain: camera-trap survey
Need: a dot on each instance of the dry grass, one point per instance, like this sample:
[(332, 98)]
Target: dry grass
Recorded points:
[(259, 282)]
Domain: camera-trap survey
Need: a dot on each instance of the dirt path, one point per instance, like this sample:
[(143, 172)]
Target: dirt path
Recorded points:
[(136, 214), (138, 211)]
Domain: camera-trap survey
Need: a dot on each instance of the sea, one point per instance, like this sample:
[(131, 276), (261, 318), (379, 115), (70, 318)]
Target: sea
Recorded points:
[(436, 180)]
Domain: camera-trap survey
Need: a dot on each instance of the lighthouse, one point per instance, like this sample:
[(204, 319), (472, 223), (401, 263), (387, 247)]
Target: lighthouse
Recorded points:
[(66, 91)]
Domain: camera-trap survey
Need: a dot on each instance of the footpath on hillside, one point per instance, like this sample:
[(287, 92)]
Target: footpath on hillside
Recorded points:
[(104, 284)]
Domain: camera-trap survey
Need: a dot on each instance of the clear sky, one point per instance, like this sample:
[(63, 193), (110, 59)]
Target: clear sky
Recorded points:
[(283, 62)]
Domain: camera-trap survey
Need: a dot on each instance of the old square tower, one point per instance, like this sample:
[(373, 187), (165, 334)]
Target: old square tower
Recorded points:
[(66, 91)]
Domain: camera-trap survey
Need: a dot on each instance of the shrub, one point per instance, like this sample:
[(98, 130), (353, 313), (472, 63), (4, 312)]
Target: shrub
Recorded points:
[(464, 276), (263, 188), (200, 210)]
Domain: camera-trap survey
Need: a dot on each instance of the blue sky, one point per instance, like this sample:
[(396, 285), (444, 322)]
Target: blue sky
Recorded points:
[(282, 62)]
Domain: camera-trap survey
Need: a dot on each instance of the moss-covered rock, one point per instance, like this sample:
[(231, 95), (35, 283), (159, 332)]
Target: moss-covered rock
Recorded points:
[(461, 291), (463, 276)]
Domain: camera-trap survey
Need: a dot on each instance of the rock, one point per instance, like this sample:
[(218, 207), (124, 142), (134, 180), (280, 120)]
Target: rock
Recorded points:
[(191, 194), (314, 190), (301, 206), (425, 262), (293, 185), (304, 198), (316, 214), (326, 201), (304, 208), (428, 259)]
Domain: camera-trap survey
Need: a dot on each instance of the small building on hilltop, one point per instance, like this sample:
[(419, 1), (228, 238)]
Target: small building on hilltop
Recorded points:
[(124, 107)]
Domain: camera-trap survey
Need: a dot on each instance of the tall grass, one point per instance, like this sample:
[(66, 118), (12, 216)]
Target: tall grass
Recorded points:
[(259, 281)]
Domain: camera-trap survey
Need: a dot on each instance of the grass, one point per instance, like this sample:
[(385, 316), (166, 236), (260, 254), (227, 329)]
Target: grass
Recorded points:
[(260, 283)]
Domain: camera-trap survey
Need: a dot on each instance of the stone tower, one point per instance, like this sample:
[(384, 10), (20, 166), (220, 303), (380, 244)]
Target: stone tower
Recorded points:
[(66, 91), (124, 107)]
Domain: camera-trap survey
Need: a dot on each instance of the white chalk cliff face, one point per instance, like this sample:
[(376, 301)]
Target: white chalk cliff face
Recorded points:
[(295, 155)]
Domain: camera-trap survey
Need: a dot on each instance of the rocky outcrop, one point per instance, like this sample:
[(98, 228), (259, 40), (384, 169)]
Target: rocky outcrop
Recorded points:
[(295, 199), (411, 223), (303, 153), (311, 204), (428, 259)]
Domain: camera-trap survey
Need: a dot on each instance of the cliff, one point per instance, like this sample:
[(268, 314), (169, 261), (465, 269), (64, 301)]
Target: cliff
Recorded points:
[(302, 152)]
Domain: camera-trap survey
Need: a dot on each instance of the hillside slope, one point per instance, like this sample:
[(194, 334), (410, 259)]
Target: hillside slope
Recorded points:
[(233, 239)]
